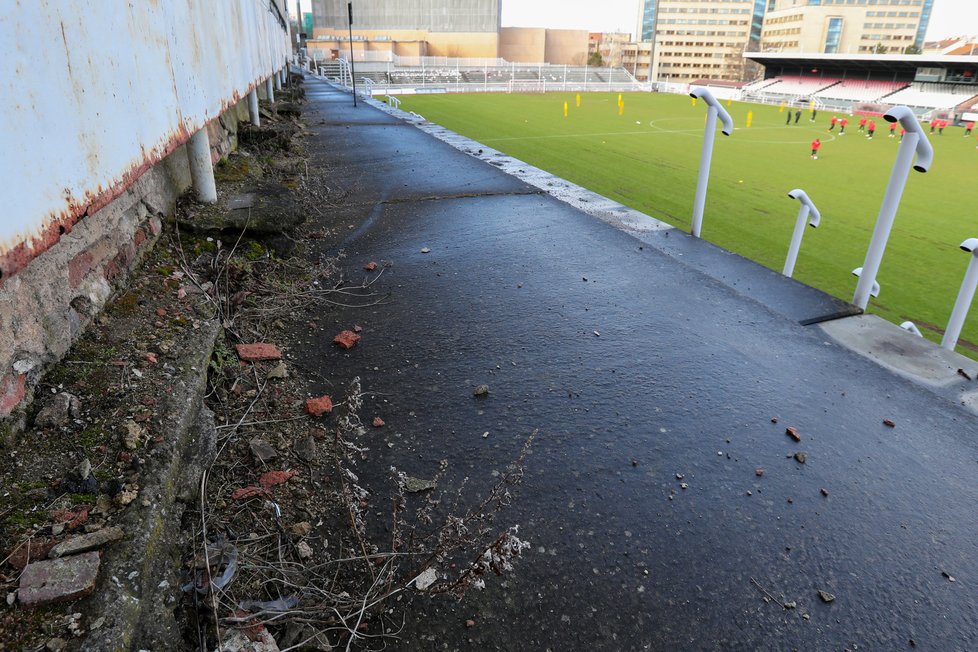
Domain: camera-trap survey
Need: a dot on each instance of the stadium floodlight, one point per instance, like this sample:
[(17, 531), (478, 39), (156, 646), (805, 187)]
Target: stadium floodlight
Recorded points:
[(965, 295), (914, 142), (874, 289), (912, 327), (807, 207), (713, 110)]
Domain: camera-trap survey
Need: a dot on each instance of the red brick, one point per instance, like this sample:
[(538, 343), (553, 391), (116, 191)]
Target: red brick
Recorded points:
[(58, 580), (78, 268), (30, 550), (317, 407), (12, 391), (347, 339), (139, 237), (258, 352)]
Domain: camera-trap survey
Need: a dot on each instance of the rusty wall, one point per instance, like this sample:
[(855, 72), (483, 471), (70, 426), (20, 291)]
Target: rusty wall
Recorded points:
[(98, 92)]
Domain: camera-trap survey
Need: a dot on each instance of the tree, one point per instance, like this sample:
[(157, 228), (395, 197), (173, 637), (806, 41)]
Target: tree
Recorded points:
[(880, 49), (595, 60), (912, 49)]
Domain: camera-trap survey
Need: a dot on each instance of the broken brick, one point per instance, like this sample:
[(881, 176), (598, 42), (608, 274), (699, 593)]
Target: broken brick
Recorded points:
[(243, 493), (30, 550), (792, 432), (889, 422), (347, 339), (317, 407), (371, 266), (58, 580), (378, 422), (258, 352), (272, 478)]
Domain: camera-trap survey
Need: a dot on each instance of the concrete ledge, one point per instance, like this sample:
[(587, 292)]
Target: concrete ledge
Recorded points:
[(909, 356), (139, 583)]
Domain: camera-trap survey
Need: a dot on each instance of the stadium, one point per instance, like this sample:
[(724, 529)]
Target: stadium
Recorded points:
[(603, 149)]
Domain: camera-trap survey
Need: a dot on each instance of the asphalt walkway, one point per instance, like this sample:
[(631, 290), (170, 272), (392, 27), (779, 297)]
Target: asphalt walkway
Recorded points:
[(665, 508)]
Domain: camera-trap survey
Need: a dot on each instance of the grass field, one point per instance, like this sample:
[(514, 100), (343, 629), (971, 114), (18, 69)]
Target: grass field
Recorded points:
[(648, 157)]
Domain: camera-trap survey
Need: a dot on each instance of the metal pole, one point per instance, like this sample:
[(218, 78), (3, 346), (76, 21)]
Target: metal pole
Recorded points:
[(884, 222), (699, 200), (278, 80), (253, 108), (789, 263), (353, 76), (201, 167), (269, 90), (961, 306)]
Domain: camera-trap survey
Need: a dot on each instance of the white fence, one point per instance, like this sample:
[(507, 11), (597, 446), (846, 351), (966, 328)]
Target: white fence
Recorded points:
[(115, 88)]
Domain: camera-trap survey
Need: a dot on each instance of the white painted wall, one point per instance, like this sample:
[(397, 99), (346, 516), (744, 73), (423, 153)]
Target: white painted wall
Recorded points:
[(96, 90)]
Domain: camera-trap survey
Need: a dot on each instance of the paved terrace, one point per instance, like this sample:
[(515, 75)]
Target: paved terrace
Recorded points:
[(653, 366)]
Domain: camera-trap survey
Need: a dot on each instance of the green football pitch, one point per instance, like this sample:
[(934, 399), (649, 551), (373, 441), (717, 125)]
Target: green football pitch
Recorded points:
[(646, 156)]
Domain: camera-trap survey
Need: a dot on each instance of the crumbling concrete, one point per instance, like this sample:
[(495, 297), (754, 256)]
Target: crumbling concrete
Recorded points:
[(45, 306)]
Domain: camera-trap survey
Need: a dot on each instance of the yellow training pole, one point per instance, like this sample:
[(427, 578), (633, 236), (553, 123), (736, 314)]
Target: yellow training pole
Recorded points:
[(730, 102), (750, 118), (578, 100), (621, 109), (781, 108), (694, 101), (565, 109)]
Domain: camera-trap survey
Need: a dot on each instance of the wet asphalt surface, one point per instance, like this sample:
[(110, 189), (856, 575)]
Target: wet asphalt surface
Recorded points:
[(635, 367)]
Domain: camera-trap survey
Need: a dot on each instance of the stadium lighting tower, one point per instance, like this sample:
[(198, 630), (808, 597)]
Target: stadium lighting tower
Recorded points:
[(965, 295), (806, 207), (713, 110), (915, 141)]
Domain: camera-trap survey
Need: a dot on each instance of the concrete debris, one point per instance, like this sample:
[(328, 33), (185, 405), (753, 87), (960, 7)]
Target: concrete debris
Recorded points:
[(415, 485), (305, 448), (59, 412), (279, 371), (826, 596), (83, 470), (800, 457), (261, 450), (428, 577), (304, 550), (58, 580), (133, 435), (237, 640), (301, 529), (481, 390), (86, 542)]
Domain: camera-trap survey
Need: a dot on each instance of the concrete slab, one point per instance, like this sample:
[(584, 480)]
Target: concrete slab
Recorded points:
[(905, 354)]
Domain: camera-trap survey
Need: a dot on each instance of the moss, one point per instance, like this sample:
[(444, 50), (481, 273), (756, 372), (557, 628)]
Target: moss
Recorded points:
[(254, 251), (164, 270), (125, 306), (82, 499)]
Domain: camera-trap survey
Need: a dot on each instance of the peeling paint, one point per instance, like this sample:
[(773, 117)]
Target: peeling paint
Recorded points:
[(131, 85)]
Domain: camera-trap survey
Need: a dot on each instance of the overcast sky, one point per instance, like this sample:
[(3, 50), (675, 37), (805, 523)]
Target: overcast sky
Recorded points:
[(950, 17)]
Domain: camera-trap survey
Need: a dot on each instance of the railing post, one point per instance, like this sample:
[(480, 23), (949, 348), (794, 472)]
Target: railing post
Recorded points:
[(269, 90), (201, 167), (253, 114)]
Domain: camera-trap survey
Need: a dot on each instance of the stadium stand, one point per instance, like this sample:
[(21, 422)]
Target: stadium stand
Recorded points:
[(931, 95), (859, 90)]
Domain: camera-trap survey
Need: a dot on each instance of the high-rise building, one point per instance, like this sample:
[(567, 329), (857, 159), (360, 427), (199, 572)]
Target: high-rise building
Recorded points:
[(846, 26), (693, 39)]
